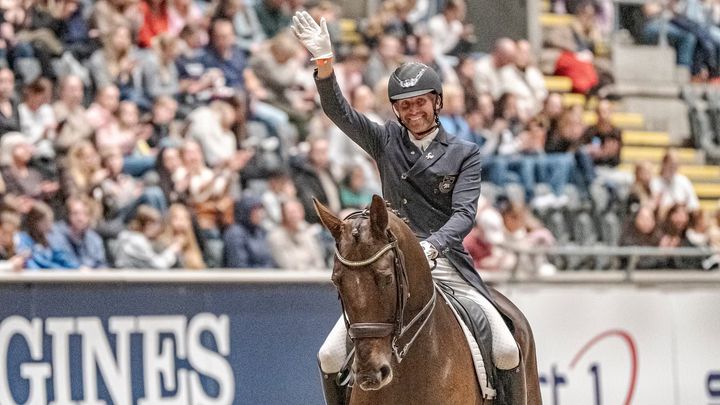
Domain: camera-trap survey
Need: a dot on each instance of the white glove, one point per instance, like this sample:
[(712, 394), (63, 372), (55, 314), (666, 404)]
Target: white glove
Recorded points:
[(430, 251), (314, 37)]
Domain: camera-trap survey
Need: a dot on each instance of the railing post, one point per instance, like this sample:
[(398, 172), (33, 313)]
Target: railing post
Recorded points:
[(632, 263)]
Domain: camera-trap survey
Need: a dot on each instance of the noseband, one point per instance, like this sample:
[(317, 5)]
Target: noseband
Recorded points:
[(397, 329)]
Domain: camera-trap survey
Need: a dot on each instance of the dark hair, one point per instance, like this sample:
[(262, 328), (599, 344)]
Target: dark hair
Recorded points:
[(39, 212)]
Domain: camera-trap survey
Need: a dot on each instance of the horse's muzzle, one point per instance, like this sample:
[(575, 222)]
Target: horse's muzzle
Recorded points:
[(374, 379)]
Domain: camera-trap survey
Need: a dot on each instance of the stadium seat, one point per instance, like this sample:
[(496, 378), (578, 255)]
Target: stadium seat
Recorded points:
[(645, 138), (655, 154), (549, 20), (558, 84), (621, 119)]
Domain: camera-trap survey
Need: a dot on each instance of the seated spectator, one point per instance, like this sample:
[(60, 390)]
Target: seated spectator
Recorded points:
[(273, 16), (674, 228), (353, 190), (160, 75), (568, 137), (426, 54), (383, 61), (294, 244), (82, 171), (523, 79), (246, 244), (117, 63), (37, 118), (683, 41), (121, 194), (9, 116), (245, 21), (642, 230), (211, 127), (280, 188), (180, 227), (207, 191), (163, 114), (452, 36), (101, 113), (671, 187), (34, 241), (604, 137), (487, 78), (20, 178), (522, 229), (484, 241), (10, 259), (349, 72), (640, 192), (314, 179), (698, 230), (125, 135), (76, 237), (183, 13), (167, 164), (222, 53), (108, 16), (70, 114), (155, 15), (136, 245)]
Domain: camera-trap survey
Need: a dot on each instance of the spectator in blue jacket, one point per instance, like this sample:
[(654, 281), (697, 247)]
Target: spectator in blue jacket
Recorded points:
[(76, 238), (35, 244), (246, 241)]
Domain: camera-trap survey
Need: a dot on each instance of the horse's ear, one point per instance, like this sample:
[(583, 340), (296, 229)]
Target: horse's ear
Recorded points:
[(378, 215), (330, 221)]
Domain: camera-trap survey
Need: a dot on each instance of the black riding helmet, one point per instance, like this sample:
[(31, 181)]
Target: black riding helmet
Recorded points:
[(415, 79)]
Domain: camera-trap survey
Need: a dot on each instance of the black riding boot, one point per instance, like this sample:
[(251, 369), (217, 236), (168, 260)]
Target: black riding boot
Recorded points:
[(512, 383), (333, 393)]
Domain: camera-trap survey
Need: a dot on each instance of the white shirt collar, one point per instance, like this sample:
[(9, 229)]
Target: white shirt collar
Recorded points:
[(425, 142)]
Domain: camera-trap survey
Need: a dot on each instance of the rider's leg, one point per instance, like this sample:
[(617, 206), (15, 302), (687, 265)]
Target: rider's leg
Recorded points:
[(505, 352), (331, 358)]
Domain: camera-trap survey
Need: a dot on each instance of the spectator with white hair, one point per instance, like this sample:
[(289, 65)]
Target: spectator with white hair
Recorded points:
[(488, 68)]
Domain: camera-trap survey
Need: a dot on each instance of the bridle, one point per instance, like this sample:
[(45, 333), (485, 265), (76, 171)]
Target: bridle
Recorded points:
[(397, 329)]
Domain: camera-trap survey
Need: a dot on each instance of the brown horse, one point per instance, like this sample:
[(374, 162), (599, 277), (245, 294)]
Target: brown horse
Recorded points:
[(409, 347)]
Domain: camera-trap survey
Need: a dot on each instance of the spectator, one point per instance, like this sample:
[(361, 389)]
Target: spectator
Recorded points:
[(211, 127), (452, 116), (135, 245), (181, 14), (117, 63), (155, 17), (349, 72), (484, 241), (83, 170), (101, 113), (353, 190), (450, 34), (160, 75), (280, 188), (273, 16), (70, 114), (247, 26), (383, 60), (76, 238), (426, 53), (524, 80), (314, 179), (10, 260), (37, 118), (604, 137), (167, 164), (20, 178), (161, 122), (246, 244), (522, 229), (180, 227), (642, 230), (34, 242), (207, 191), (294, 243), (684, 42), (9, 116), (222, 53), (110, 15), (671, 187), (487, 79)]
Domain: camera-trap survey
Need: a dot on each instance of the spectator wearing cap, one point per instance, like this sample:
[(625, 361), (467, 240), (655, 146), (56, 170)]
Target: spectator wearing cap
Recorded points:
[(9, 116), (246, 244), (76, 238), (35, 243)]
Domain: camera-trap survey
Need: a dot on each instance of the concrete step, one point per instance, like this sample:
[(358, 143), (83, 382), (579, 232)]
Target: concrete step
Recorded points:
[(645, 138), (549, 20), (709, 206), (701, 173), (623, 120), (558, 84), (655, 154)]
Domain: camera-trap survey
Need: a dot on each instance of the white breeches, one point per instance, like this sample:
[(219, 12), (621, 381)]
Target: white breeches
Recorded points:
[(504, 349)]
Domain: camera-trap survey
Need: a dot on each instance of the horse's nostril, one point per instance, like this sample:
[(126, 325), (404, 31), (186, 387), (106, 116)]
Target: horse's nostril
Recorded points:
[(384, 372)]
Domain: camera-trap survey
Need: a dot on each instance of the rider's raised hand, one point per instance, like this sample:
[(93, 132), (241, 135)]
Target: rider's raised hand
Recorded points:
[(314, 37)]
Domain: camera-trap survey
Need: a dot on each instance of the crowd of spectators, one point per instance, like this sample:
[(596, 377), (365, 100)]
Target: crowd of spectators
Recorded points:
[(160, 134)]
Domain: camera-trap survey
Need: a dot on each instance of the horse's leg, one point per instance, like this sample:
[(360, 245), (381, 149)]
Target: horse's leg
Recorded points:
[(524, 337)]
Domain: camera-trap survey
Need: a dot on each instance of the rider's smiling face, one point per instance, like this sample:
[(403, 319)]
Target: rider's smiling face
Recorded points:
[(417, 113)]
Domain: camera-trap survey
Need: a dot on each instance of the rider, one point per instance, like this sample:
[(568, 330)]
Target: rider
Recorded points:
[(424, 170)]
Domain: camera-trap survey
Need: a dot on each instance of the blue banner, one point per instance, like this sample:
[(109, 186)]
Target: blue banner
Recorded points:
[(155, 344)]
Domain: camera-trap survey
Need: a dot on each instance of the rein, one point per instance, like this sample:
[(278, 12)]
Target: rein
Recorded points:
[(362, 330)]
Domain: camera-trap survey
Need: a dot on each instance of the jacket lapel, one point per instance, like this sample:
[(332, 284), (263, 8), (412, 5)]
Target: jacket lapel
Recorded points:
[(432, 154)]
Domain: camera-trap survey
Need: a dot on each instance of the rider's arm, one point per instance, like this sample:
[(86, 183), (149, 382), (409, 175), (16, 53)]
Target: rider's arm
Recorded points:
[(464, 205)]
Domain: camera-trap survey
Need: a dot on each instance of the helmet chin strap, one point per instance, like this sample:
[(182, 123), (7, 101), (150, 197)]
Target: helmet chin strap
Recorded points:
[(434, 126)]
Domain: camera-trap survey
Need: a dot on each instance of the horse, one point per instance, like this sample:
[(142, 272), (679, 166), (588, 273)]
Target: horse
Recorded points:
[(409, 347)]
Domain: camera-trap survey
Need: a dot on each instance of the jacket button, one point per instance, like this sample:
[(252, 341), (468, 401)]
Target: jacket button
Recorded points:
[(403, 176), (404, 201)]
